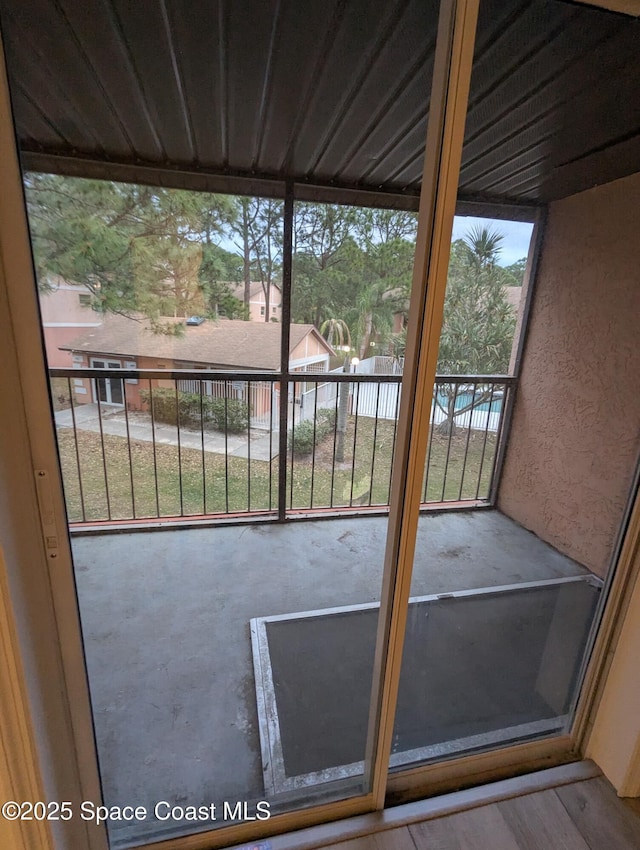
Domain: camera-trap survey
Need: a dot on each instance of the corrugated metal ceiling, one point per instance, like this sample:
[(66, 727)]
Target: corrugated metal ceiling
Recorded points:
[(327, 92)]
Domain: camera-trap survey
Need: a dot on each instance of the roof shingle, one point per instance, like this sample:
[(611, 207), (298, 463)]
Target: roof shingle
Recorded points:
[(226, 343)]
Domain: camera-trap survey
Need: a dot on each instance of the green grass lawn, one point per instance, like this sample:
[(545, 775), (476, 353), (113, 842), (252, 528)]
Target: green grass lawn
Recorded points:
[(212, 484)]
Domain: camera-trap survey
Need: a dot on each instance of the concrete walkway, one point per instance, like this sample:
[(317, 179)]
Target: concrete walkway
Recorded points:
[(258, 445)]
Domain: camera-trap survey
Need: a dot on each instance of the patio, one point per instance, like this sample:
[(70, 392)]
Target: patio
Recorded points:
[(178, 721)]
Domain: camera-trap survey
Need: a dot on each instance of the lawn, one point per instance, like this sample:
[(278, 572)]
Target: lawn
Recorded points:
[(126, 481)]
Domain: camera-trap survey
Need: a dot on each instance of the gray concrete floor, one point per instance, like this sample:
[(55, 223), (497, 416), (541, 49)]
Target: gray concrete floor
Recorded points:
[(165, 617)]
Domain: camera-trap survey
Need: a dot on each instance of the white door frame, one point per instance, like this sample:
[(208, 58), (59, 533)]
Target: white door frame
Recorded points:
[(109, 363)]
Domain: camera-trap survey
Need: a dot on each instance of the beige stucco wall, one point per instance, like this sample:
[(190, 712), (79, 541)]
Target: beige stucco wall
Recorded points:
[(64, 319), (576, 425), (258, 303), (309, 350)]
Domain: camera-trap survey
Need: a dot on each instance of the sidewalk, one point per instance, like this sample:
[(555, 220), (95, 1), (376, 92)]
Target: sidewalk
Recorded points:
[(258, 445)]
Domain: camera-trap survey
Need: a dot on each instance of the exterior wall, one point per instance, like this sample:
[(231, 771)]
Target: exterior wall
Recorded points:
[(64, 319), (84, 392), (309, 351), (54, 338), (576, 426), (257, 306)]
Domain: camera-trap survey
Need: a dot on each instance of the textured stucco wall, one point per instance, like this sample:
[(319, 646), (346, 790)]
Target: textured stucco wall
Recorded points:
[(576, 425)]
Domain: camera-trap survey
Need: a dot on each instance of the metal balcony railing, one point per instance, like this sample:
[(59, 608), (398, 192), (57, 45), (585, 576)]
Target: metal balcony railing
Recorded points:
[(139, 445)]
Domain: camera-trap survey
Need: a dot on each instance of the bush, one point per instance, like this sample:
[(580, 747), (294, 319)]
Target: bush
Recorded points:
[(301, 438), (230, 412), (195, 411)]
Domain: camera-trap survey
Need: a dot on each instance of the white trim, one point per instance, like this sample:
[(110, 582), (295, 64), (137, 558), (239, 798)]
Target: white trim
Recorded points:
[(305, 361), (65, 286), (109, 364)]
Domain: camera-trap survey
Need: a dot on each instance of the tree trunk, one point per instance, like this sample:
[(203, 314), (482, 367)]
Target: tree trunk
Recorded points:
[(246, 257), (368, 329), (267, 300), (343, 409), (448, 426)]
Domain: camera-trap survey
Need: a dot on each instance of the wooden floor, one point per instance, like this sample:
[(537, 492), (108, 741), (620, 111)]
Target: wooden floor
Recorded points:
[(584, 815)]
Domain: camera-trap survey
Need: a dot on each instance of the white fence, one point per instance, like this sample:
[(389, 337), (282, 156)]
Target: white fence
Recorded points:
[(381, 400), (263, 397), (318, 397)]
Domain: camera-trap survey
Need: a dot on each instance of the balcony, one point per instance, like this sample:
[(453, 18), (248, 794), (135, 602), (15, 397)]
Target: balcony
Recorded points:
[(181, 720), (191, 609)]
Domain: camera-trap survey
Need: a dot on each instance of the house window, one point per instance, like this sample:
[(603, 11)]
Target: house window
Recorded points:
[(262, 310), (273, 309), (85, 299)]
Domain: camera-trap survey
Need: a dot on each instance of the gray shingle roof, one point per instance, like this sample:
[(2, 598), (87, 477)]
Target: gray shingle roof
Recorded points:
[(226, 343)]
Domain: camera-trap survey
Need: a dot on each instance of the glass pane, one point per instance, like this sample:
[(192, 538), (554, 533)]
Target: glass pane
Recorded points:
[(101, 387), (216, 651), (117, 394), (506, 588), (490, 667), (478, 347)]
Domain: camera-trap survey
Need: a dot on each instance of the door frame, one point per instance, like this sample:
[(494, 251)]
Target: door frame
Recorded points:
[(40, 580), (63, 692), (109, 363)]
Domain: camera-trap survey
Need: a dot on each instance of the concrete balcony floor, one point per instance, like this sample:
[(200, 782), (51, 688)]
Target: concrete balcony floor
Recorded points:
[(165, 618)]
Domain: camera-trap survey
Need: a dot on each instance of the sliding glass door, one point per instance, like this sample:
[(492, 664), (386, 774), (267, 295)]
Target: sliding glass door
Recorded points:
[(283, 415)]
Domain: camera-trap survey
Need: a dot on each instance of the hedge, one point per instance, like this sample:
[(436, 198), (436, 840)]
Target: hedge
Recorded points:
[(218, 414), (301, 438)]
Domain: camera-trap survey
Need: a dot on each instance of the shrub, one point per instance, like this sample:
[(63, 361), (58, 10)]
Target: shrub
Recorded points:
[(229, 414), (195, 411), (301, 438)]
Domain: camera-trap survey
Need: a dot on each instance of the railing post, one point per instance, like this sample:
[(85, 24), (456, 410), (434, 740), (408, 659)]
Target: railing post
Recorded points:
[(287, 265)]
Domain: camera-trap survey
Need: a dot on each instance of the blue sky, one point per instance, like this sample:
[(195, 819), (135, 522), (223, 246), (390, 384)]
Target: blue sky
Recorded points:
[(517, 235)]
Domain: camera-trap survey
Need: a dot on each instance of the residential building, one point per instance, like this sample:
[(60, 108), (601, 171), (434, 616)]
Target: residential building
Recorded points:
[(222, 345), (66, 312), (258, 301)]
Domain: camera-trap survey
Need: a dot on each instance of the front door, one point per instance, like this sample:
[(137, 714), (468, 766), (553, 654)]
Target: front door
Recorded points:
[(108, 390)]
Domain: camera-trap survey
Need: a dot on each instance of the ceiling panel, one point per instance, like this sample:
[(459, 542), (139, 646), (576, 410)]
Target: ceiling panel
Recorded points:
[(331, 93)]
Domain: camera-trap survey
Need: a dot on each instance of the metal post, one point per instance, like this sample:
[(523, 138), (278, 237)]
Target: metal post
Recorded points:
[(287, 263), (520, 342)]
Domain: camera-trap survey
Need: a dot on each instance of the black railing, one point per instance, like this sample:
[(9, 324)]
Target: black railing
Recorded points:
[(151, 445)]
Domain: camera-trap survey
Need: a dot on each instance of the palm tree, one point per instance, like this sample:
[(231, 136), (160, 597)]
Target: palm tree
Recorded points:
[(336, 331)]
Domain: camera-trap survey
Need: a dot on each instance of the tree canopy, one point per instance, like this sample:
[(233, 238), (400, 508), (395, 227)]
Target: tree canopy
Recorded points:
[(138, 249), (479, 322), (166, 252)]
